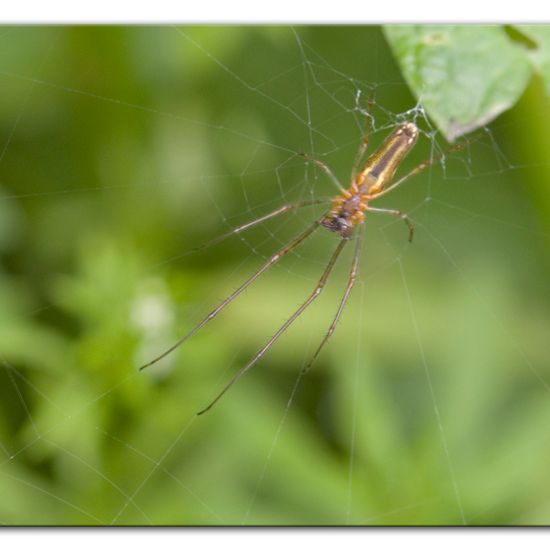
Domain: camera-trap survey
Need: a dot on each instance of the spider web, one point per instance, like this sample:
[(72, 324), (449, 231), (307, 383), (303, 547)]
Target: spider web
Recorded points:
[(428, 405)]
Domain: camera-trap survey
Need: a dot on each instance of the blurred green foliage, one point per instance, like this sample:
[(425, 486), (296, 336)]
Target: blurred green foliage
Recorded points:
[(123, 148)]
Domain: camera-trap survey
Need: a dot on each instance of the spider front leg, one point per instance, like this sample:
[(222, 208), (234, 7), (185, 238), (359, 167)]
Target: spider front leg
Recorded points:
[(397, 213)]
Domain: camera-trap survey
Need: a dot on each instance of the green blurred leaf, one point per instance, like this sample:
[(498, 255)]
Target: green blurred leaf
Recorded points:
[(464, 76)]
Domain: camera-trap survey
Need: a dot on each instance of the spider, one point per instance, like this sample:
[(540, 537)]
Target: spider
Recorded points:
[(345, 216)]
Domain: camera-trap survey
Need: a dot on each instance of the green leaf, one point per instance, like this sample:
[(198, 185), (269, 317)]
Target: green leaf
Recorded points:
[(539, 53), (464, 76)]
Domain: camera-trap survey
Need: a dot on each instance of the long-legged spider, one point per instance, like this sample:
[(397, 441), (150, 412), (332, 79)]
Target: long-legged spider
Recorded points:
[(345, 216)]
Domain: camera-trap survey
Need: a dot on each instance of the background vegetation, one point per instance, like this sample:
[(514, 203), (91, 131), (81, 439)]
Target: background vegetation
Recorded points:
[(121, 149)]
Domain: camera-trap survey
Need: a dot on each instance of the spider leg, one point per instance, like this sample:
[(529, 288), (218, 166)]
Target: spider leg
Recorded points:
[(325, 169), (343, 301), (397, 213), (248, 225), (283, 327), (274, 259)]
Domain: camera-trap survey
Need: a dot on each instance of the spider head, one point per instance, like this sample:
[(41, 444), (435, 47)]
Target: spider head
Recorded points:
[(338, 224)]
